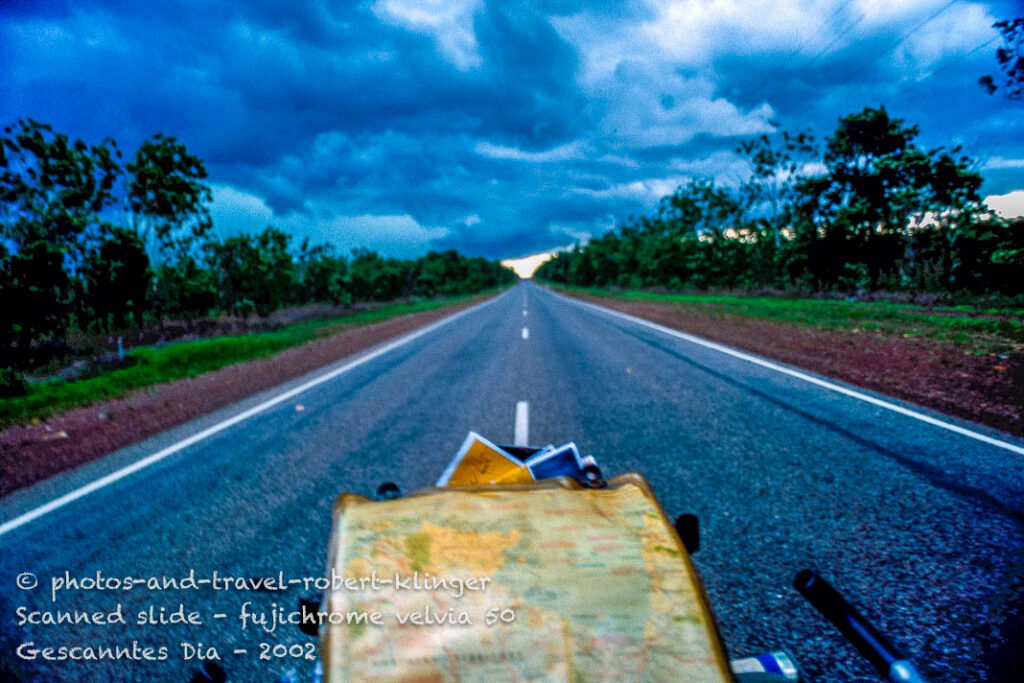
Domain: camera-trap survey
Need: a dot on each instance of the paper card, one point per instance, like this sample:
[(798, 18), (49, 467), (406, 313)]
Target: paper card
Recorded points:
[(563, 461), (481, 462)]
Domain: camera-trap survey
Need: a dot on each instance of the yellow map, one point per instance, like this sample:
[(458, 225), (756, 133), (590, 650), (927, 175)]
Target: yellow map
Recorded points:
[(481, 462), (550, 582)]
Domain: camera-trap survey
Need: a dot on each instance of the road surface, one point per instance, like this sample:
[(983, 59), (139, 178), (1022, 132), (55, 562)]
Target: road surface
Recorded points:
[(923, 527)]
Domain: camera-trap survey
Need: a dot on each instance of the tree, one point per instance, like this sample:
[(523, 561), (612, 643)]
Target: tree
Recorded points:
[(954, 203), (254, 271), (1010, 59), (775, 173), (37, 294), (374, 278), (64, 262), (321, 275), (556, 269), (54, 189), (989, 257), (879, 181), (816, 254), (168, 198), (185, 288), (117, 280), (884, 213)]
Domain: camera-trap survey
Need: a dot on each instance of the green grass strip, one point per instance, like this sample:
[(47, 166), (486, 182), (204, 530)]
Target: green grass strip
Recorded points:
[(177, 360), (975, 332)]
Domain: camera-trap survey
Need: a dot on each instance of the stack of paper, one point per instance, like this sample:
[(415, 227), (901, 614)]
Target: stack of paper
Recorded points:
[(481, 462)]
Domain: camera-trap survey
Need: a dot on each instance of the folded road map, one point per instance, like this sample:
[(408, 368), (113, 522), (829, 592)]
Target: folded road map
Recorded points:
[(538, 581)]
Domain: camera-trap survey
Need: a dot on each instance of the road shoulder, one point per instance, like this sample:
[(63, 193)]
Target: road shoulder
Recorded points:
[(924, 372), (33, 453)]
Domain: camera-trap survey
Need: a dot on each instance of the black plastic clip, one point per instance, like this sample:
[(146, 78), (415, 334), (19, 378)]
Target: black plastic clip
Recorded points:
[(688, 528), (388, 491)]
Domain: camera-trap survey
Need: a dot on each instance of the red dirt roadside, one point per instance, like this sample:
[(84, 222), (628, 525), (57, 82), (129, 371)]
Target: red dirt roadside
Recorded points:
[(927, 372), (34, 452)]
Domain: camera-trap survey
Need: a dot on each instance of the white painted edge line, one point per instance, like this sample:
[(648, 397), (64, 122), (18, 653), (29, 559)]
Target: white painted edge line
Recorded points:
[(522, 434), (756, 360), (526, 333), (145, 462)]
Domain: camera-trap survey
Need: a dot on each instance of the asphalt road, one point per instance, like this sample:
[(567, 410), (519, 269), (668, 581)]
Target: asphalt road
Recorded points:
[(923, 528)]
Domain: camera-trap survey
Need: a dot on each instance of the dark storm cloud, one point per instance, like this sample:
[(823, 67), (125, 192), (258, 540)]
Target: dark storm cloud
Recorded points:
[(496, 128)]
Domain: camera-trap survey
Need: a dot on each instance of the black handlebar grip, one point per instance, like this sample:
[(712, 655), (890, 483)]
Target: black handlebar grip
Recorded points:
[(858, 630)]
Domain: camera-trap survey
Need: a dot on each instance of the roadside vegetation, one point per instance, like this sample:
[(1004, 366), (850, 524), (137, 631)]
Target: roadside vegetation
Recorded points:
[(986, 332), (868, 210), (92, 248), (148, 366)]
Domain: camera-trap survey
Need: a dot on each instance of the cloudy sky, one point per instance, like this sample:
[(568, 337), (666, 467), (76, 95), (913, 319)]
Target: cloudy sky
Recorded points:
[(497, 128)]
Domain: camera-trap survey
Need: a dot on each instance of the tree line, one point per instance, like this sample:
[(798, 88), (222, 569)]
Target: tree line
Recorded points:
[(869, 209), (93, 244)]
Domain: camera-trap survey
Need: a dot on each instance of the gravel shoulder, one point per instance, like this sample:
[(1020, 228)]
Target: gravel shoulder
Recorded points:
[(31, 453), (935, 374)]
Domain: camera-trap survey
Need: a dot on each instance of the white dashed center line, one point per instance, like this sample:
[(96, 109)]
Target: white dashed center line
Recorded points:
[(522, 437)]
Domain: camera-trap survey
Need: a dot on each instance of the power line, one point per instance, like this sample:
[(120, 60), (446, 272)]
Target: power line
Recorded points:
[(906, 90), (842, 34), (902, 91), (947, 65), (913, 85), (835, 13), (911, 32)]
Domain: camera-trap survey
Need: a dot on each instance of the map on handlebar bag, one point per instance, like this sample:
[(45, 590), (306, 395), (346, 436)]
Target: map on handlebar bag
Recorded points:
[(544, 581)]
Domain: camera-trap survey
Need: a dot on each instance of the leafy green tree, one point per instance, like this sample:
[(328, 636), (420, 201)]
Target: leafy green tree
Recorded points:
[(375, 278), (430, 275), (63, 261), (989, 258), (883, 188), (1010, 59), (54, 189), (884, 213), (954, 207), (168, 198), (776, 167), (254, 270), (12, 384), (321, 275), (37, 296), (185, 288), (556, 269), (117, 280), (814, 258)]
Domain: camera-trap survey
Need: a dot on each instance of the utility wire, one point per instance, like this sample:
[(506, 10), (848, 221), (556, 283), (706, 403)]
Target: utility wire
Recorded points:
[(835, 13), (911, 32), (947, 66), (914, 84), (839, 37)]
